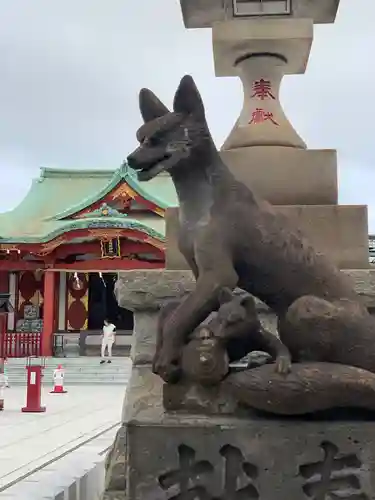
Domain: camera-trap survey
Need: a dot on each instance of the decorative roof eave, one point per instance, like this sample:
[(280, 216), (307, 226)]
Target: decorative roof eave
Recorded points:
[(123, 174), (87, 223), (104, 211), (60, 173)]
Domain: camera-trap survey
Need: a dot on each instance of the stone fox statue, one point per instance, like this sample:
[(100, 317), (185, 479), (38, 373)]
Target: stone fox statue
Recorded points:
[(231, 238)]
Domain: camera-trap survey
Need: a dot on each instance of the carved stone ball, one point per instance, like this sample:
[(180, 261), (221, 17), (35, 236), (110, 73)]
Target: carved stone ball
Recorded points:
[(204, 359)]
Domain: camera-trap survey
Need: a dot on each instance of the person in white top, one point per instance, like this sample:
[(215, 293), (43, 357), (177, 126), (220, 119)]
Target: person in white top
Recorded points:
[(108, 339), (6, 378)]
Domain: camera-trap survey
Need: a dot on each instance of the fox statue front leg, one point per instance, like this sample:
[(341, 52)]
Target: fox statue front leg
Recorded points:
[(165, 311)]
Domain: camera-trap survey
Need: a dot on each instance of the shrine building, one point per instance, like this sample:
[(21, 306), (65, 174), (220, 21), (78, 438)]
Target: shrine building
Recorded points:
[(62, 247)]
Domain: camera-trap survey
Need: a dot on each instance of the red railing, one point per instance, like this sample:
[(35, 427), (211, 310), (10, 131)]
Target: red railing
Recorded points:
[(20, 345)]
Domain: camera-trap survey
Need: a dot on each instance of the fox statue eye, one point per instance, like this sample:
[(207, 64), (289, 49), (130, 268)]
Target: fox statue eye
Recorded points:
[(149, 141)]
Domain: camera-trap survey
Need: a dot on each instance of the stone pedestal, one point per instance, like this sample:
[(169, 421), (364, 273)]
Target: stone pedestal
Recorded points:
[(115, 480), (224, 457), (167, 454)]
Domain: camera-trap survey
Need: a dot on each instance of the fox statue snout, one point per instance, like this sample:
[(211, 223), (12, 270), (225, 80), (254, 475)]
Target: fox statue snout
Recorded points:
[(148, 162)]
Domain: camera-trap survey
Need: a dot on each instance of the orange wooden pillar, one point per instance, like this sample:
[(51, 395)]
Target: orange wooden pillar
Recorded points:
[(49, 304)]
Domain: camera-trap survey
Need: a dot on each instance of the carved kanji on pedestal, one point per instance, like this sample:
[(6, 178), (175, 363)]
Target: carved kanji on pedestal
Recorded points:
[(238, 476), (335, 477)]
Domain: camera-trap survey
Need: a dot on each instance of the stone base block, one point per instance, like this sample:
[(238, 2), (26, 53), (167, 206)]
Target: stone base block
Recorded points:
[(217, 457), (115, 464), (114, 495), (230, 458), (286, 176), (189, 397), (338, 231)]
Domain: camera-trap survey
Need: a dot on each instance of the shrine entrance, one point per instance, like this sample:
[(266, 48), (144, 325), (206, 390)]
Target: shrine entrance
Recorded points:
[(102, 303)]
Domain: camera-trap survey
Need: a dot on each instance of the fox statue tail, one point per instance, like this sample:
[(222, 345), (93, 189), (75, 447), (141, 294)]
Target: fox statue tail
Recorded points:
[(308, 388)]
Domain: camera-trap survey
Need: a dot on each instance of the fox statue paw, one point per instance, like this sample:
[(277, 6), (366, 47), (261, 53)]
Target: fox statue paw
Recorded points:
[(167, 366), (283, 364)]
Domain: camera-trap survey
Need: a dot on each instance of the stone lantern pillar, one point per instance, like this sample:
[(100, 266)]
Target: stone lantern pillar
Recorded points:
[(261, 41), (262, 121)]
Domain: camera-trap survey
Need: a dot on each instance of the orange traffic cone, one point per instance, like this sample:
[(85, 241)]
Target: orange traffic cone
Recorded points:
[(58, 381)]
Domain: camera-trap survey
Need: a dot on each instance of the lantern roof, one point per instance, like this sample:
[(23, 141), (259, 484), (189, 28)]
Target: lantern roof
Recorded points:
[(204, 14)]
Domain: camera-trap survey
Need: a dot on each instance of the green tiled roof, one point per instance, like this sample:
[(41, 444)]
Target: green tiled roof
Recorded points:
[(57, 194)]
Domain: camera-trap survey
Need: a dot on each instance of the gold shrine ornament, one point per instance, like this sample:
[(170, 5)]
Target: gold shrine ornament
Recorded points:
[(110, 248)]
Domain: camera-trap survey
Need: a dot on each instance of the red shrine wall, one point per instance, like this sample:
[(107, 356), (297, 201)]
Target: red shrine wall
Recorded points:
[(30, 291), (4, 281), (77, 302)]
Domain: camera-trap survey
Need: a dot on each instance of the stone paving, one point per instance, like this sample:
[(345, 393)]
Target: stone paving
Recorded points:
[(30, 441)]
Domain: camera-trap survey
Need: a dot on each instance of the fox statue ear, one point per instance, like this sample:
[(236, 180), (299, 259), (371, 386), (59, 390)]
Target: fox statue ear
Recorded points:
[(225, 295), (151, 106), (187, 99), (248, 302)]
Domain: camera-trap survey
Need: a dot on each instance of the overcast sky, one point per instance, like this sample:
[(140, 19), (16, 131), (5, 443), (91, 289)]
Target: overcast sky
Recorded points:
[(71, 71)]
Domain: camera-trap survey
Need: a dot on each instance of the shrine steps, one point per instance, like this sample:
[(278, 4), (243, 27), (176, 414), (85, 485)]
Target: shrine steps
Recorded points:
[(78, 371)]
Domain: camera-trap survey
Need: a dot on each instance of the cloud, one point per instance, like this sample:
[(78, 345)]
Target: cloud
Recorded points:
[(71, 72)]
